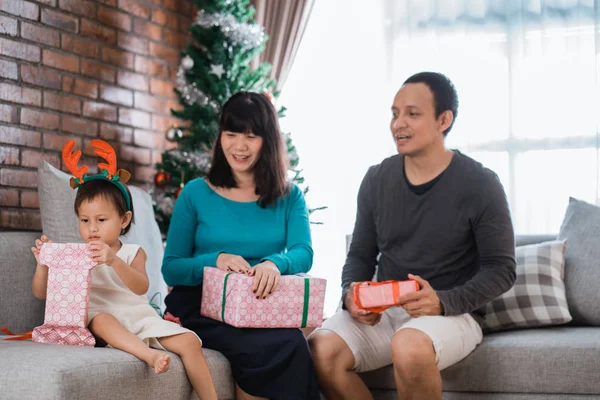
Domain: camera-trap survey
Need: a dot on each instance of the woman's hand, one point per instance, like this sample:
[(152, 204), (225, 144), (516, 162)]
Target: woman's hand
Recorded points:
[(36, 250), (266, 277), (101, 252), (232, 263)]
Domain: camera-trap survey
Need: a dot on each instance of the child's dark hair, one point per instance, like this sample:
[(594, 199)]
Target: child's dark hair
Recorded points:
[(96, 188)]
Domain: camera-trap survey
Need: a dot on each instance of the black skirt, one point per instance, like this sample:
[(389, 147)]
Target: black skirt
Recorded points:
[(272, 363)]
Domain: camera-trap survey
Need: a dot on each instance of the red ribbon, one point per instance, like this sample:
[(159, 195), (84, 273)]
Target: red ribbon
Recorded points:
[(18, 336), (169, 317)]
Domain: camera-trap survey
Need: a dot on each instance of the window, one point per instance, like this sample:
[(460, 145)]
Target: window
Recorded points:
[(527, 79)]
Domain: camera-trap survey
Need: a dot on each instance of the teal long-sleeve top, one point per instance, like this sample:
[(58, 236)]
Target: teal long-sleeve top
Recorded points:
[(205, 224)]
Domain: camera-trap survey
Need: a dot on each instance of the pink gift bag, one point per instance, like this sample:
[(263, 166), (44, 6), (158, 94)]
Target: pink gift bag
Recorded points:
[(297, 302), (67, 296)]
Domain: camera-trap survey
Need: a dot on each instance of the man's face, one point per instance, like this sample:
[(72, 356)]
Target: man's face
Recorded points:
[(414, 127)]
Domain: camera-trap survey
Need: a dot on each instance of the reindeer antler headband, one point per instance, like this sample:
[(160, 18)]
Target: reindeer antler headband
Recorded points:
[(108, 170)]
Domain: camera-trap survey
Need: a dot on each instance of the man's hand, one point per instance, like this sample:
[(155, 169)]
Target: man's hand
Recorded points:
[(101, 252), (362, 316), (232, 263), (266, 277), (423, 302)]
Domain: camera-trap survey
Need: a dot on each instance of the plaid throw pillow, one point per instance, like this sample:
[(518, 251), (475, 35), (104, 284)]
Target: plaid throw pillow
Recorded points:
[(538, 296)]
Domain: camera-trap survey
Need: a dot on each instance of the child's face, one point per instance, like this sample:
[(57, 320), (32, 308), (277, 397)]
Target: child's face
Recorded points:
[(100, 220)]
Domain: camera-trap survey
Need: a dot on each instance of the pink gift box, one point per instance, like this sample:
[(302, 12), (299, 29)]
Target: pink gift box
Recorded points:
[(379, 296), (67, 296), (297, 302)]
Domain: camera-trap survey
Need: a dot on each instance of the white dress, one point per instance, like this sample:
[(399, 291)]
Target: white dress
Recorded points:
[(110, 295)]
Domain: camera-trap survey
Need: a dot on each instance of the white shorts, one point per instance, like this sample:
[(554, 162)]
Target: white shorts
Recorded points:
[(453, 338)]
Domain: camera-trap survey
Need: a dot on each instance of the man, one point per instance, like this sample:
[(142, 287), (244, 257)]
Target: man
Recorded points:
[(432, 215)]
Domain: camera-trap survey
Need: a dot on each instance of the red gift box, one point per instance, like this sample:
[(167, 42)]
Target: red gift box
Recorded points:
[(379, 296)]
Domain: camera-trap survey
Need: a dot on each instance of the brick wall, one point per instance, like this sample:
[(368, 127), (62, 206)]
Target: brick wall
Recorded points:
[(83, 69)]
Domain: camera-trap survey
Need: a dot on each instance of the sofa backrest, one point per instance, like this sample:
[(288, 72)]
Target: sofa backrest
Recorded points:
[(20, 311), (524, 240), (520, 240)]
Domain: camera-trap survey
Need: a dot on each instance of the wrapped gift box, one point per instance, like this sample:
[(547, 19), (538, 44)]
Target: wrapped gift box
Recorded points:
[(67, 296), (379, 296), (297, 302)]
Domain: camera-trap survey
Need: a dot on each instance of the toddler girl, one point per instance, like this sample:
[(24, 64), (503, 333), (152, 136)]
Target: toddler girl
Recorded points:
[(119, 312)]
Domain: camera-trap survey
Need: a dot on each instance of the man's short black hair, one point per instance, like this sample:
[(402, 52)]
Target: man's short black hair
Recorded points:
[(444, 93)]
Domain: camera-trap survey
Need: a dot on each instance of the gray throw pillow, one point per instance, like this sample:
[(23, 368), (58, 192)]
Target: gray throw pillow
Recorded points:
[(538, 297), (581, 227), (59, 223)]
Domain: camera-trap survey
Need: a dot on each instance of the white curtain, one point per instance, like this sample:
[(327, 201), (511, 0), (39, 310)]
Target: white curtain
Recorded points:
[(526, 72), (338, 97)]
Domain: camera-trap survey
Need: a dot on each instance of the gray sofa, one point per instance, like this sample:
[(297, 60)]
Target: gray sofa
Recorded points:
[(42, 371), (529, 364), (549, 363)]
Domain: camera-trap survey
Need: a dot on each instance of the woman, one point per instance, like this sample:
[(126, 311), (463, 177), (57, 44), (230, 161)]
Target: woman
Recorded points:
[(244, 217)]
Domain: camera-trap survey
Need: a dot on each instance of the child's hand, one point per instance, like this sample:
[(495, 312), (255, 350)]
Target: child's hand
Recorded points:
[(101, 252), (36, 250)]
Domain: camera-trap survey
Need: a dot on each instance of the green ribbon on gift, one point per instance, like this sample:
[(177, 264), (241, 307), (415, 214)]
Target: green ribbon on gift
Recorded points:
[(156, 306), (224, 296), (306, 299)]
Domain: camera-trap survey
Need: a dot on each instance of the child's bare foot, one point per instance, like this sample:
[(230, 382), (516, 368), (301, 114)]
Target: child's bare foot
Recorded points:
[(161, 362)]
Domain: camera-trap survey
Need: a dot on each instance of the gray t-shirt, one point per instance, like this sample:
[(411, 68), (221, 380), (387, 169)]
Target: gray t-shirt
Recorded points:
[(458, 235)]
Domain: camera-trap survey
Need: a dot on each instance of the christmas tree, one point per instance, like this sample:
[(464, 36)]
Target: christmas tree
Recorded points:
[(214, 66)]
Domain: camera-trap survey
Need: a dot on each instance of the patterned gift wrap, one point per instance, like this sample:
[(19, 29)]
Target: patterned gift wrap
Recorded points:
[(297, 302), (67, 296)]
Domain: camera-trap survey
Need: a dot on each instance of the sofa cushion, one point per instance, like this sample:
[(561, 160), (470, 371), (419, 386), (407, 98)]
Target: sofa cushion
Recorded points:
[(507, 396), (581, 228), (538, 295), (545, 360), (20, 311), (68, 372), (59, 223)]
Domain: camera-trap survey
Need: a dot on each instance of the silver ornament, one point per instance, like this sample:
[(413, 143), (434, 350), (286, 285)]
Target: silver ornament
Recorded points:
[(173, 134), (217, 70), (187, 62)]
